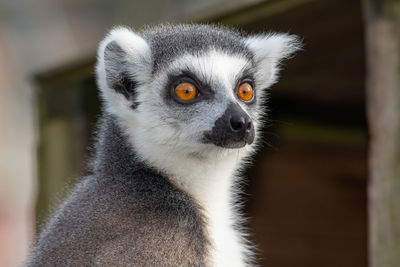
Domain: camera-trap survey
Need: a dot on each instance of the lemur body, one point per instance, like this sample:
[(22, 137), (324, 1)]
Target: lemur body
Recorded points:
[(163, 186)]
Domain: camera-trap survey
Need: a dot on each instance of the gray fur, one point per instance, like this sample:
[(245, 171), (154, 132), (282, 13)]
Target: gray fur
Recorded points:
[(169, 41), (125, 214)]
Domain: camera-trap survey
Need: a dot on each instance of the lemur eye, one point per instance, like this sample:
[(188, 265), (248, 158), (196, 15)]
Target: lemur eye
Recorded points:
[(185, 91), (245, 92)]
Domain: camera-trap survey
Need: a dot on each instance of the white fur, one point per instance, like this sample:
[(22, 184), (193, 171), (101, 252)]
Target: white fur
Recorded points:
[(208, 179), (206, 172), (139, 55), (269, 50)]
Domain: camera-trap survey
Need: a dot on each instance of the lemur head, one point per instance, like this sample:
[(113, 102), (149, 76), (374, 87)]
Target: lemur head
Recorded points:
[(192, 90)]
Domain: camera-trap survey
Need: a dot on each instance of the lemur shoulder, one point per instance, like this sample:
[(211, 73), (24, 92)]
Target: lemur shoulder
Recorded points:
[(181, 116)]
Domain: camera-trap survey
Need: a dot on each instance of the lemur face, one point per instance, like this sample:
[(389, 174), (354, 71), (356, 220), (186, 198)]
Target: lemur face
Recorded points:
[(204, 97), (190, 88)]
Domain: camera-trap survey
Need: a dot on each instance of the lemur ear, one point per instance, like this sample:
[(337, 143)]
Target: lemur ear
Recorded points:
[(123, 62), (269, 50)]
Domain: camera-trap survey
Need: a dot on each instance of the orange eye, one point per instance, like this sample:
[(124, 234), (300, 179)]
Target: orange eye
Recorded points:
[(185, 91), (245, 92)]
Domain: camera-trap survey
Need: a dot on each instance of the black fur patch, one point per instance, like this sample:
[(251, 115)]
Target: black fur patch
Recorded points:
[(117, 76), (204, 90)]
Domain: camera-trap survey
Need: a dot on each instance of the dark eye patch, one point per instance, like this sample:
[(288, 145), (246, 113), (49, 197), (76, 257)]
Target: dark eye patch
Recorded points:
[(204, 89)]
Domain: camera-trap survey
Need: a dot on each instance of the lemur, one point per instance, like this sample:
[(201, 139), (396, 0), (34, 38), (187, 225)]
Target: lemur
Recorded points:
[(182, 109)]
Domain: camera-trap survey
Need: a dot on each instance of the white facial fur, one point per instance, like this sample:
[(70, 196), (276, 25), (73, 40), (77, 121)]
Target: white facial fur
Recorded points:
[(180, 128), (269, 50), (168, 135)]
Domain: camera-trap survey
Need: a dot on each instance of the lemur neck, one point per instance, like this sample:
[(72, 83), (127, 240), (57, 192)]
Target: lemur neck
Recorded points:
[(114, 156), (208, 181)]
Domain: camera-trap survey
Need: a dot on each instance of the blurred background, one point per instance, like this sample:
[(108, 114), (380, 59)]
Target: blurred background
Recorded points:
[(307, 190)]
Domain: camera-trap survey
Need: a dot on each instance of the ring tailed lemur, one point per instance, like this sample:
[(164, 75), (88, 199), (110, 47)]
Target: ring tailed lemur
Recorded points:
[(181, 114)]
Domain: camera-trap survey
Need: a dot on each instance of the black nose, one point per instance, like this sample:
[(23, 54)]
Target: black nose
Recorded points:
[(240, 123), (233, 129)]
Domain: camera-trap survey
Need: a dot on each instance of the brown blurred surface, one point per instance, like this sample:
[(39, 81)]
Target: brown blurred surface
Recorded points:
[(309, 205), (308, 191)]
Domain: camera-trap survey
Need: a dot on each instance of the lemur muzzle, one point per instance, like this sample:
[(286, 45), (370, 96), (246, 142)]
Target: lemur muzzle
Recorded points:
[(234, 129)]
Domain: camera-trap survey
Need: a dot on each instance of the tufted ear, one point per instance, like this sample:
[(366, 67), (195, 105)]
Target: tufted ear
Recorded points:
[(123, 62), (269, 50)]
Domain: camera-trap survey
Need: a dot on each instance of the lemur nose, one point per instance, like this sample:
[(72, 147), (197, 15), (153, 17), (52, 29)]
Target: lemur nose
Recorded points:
[(240, 123), (234, 129)]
